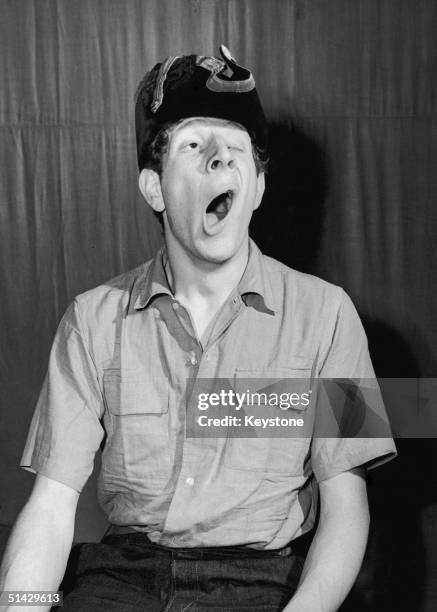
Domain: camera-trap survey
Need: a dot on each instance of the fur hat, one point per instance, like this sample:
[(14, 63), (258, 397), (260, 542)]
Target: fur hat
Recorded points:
[(197, 86)]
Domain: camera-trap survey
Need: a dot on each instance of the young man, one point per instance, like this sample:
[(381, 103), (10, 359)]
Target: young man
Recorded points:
[(199, 523)]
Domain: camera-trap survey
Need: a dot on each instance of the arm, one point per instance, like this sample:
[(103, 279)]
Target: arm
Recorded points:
[(40, 542), (336, 553)]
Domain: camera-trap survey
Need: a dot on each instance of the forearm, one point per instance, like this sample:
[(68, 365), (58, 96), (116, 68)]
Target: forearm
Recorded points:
[(37, 551), (334, 558)]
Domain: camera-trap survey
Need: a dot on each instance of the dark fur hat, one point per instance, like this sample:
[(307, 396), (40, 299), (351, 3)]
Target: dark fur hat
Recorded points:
[(197, 86)]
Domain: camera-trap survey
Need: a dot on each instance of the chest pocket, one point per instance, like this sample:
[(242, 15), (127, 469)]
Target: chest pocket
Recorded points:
[(128, 393), (137, 448), (282, 448)]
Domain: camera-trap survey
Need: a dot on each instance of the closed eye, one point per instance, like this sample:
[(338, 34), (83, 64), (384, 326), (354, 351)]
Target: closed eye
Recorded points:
[(235, 147)]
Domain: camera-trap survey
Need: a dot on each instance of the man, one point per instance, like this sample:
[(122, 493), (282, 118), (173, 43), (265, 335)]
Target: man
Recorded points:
[(206, 522)]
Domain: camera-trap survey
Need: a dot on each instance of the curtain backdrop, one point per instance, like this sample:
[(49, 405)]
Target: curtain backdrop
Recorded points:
[(349, 88)]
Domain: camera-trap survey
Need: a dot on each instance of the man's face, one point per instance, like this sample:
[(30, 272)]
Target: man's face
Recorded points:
[(210, 188)]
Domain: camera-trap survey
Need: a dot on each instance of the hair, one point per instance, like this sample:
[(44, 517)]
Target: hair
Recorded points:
[(159, 147)]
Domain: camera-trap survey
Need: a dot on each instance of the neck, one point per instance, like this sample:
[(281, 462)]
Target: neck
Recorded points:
[(195, 281)]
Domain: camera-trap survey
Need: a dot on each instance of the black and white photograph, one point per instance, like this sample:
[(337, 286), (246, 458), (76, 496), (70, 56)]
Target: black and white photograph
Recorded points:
[(218, 271)]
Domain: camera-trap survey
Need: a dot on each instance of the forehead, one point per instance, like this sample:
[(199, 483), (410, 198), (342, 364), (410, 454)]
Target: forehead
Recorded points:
[(206, 124)]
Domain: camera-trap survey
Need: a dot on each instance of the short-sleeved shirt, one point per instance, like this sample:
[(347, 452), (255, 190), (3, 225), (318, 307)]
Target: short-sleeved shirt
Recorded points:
[(117, 379)]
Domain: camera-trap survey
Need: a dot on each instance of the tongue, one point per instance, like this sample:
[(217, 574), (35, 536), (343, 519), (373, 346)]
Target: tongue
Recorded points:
[(221, 210), (218, 213)]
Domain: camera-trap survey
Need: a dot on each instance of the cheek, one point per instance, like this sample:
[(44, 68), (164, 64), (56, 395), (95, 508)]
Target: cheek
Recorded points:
[(179, 209), (172, 191)]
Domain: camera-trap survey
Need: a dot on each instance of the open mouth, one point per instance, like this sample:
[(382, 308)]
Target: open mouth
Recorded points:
[(219, 207)]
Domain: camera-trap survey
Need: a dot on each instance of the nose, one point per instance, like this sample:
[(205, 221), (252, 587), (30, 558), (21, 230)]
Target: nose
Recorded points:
[(220, 156)]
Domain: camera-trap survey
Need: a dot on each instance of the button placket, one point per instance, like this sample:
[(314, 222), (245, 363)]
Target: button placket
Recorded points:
[(199, 362)]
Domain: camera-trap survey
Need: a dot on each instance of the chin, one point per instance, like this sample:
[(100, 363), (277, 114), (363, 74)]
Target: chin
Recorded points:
[(219, 251)]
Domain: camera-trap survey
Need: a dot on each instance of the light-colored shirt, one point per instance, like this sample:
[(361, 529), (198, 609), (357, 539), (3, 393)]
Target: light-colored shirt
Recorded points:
[(119, 377)]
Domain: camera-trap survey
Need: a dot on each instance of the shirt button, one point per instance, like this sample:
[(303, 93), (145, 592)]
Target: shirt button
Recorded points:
[(190, 481), (175, 305), (193, 360)]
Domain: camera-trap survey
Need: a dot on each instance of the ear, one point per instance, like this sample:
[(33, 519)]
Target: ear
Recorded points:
[(260, 186), (150, 186)]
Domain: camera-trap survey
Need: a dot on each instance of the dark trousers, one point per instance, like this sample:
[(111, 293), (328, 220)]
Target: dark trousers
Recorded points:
[(128, 573)]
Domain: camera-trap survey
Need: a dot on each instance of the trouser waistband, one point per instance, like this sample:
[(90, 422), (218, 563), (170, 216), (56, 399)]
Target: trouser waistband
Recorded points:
[(299, 546)]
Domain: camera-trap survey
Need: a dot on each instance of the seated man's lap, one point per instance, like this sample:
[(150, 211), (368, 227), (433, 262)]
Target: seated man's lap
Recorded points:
[(127, 573)]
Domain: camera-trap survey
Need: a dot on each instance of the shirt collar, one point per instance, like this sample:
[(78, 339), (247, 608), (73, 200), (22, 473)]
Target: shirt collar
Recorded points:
[(254, 282), (152, 282)]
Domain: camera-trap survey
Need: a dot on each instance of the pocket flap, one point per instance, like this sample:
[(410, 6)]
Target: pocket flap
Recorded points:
[(275, 381)]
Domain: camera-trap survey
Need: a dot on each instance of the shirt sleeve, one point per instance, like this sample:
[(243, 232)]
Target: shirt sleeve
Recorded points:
[(348, 359), (66, 431)]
